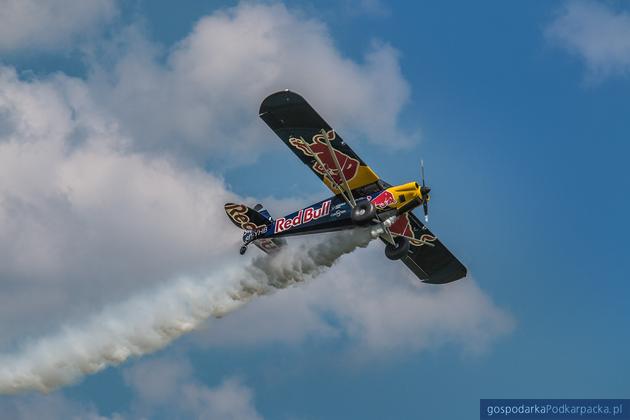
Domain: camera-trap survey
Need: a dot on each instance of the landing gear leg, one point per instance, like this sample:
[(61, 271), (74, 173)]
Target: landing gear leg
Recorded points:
[(242, 250)]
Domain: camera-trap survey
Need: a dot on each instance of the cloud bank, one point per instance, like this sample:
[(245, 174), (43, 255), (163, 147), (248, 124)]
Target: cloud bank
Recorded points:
[(202, 103), (177, 394), (50, 24), (105, 193), (84, 221), (96, 198)]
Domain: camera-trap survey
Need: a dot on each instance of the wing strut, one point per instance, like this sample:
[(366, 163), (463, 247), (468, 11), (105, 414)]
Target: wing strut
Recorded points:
[(386, 232), (350, 199), (388, 235), (382, 229), (343, 177)]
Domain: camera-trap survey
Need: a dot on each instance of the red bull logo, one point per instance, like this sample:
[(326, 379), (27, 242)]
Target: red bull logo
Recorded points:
[(318, 147), (402, 227), (384, 200), (303, 216)]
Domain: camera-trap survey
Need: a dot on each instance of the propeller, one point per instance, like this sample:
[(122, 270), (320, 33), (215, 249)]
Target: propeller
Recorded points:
[(425, 194)]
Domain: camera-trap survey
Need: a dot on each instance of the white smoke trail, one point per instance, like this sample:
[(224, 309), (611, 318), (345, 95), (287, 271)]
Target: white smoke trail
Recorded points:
[(149, 322)]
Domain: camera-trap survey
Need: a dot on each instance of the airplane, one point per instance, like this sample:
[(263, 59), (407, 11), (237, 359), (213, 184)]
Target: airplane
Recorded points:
[(360, 197)]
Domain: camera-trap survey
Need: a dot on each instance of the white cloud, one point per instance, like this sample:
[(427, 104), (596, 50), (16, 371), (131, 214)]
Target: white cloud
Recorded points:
[(83, 220), (50, 24), (231, 401), (161, 388), (376, 304), (203, 102), (166, 387), (50, 407), (156, 381), (599, 35)]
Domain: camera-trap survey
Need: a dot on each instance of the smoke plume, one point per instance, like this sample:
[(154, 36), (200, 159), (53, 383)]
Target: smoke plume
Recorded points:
[(149, 322)]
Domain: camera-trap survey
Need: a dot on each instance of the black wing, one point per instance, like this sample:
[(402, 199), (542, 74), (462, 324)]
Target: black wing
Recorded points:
[(300, 127), (432, 264)]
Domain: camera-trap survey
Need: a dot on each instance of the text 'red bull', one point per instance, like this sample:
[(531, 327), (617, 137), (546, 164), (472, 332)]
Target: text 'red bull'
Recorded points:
[(303, 216)]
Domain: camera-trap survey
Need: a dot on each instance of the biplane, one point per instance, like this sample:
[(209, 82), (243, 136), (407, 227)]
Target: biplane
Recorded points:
[(360, 197)]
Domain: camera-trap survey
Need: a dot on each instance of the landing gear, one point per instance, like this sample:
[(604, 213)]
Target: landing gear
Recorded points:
[(363, 213), (242, 250), (398, 250)]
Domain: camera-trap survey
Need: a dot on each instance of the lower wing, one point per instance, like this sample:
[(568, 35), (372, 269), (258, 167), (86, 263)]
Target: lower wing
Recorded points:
[(428, 258)]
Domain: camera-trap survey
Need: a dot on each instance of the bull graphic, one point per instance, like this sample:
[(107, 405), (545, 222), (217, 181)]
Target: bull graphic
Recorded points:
[(318, 147), (402, 227), (384, 200)]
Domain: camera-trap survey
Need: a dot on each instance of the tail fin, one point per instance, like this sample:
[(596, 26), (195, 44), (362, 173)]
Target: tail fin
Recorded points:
[(249, 219), (263, 211), (244, 217)]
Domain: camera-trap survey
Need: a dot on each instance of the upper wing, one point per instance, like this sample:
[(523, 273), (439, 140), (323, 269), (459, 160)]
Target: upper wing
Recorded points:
[(300, 127), (432, 264)]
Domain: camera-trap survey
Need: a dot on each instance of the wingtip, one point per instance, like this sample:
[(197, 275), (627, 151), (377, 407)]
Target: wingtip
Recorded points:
[(279, 99)]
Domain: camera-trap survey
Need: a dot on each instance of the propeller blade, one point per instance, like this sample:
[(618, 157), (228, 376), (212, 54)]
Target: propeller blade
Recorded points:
[(425, 193), (422, 170)]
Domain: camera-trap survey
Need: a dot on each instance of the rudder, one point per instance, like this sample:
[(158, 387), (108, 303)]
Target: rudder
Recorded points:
[(244, 217), (250, 219)]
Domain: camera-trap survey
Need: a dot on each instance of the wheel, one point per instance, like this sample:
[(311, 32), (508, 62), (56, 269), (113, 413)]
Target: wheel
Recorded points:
[(398, 251), (363, 213), (242, 250)]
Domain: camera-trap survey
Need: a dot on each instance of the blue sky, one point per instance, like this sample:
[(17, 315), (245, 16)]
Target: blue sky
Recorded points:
[(141, 117)]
